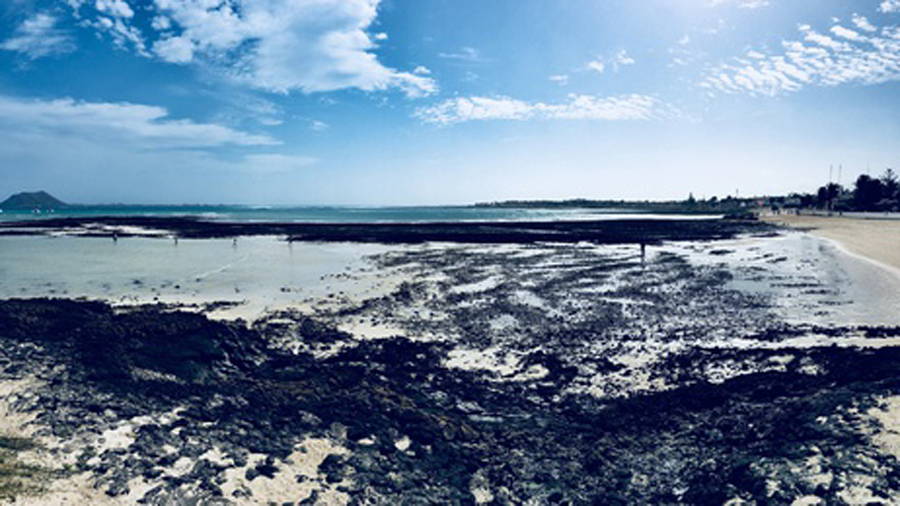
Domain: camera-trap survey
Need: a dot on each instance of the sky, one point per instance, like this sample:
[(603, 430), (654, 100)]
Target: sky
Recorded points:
[(411, 102)]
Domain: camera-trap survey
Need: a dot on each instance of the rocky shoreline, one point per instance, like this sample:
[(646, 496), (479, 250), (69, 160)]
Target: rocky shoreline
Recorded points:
[(544, 373), (648, 231)]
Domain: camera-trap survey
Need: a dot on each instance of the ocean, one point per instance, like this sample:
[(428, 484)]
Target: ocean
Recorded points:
[(339, 214)]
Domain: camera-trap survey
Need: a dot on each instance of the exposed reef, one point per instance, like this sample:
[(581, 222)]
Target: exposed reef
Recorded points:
[(550, 373), (647, 231)]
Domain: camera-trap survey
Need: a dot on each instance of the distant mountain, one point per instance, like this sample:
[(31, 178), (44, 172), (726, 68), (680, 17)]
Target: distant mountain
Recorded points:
[(27, 201)]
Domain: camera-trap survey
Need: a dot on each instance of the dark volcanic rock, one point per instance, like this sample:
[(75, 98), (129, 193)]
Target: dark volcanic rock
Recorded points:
[(434, 434), (646, 231)]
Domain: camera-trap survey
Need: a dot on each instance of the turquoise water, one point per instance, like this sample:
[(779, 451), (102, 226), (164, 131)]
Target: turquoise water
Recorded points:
[(342, 214), (317, 214)]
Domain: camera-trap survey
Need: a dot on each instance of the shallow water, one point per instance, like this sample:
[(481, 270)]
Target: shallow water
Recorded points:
[(262, 272), (811, 279)]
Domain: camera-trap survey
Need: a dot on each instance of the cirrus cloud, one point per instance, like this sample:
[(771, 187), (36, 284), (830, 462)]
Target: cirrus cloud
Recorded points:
[(38, 36), (578, 107), (866, 56)]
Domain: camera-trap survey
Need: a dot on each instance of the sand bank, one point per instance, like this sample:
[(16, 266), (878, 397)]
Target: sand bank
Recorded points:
[(877, 240)]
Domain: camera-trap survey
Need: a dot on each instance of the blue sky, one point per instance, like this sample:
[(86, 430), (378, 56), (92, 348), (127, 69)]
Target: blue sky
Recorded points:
[(443, 101)]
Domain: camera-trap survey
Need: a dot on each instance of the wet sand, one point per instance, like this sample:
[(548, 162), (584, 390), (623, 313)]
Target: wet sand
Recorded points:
[(876, 240)]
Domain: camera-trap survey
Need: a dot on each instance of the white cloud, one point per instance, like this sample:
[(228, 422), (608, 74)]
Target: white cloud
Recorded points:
[(616, 62), (753, 4), (174, 49), (161, 23), (38, 37), (826, 41), (560, 79), (122, 33), (139, 125), (889, 6), (846, 33), (863, 24), (578, 107), (274, 45), (621, 59), (76, 4), (817, 60), (742, 4), (465, 54), (597, 66), (115, 8)]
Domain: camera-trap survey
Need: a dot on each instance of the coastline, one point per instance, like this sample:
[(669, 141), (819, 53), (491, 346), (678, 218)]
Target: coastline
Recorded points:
[(875, 240), (569, 359), (606, 231)]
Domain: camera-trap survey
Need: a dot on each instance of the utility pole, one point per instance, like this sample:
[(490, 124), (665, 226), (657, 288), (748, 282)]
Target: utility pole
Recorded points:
[(838, 189), (829, 203)]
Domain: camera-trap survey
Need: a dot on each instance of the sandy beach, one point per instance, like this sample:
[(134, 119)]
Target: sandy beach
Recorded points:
[(874, 239)]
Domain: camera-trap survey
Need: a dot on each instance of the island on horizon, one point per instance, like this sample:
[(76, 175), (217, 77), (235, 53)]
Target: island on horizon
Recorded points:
[(30, 201)]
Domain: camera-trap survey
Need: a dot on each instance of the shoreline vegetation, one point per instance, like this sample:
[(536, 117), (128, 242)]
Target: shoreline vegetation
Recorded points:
[(729, 206)]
